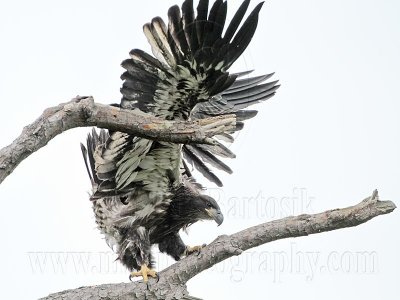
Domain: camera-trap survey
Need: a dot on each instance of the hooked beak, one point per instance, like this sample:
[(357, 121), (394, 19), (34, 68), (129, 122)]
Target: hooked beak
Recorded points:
[(216, 215)]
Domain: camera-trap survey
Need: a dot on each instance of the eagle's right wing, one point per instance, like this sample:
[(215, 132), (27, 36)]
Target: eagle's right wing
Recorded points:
[(187, 78), (240, 95)]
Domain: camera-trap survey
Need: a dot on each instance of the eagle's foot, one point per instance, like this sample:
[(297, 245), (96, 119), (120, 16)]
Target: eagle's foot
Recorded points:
[(194, 249), (145, 272)]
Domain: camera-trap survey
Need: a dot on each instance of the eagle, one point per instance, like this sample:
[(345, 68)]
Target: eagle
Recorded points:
[(143, 191)]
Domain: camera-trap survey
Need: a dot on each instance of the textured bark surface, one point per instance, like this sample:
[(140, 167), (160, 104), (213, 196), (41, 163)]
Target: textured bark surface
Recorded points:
[(84, 112), (171, 284)]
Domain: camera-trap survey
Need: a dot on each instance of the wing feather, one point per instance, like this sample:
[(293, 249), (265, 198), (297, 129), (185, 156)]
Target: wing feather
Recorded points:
[(244, 84), (215, 24), (218, 149), (200, 166), (202, 12), (251, 91), (188, 24), (156, 33), (236, 20), (241, 94), (209, 158), (243, 37), (186, 78), (175, 30)]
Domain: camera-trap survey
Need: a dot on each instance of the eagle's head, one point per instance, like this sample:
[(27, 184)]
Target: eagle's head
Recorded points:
[(188, 206), (208, 209)]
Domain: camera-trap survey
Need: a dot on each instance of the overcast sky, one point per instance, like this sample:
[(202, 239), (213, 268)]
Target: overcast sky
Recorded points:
[(326, 140)]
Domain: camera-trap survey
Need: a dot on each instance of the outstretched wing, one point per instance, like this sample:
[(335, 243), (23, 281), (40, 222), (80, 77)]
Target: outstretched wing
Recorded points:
[(191, 59), (241, 94), (186, 78)]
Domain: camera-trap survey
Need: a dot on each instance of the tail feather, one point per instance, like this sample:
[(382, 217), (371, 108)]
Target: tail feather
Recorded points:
[(93, 141), (85, 155)]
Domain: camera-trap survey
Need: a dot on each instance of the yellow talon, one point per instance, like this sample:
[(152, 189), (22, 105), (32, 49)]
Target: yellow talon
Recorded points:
[(144, 272), (193, 249)]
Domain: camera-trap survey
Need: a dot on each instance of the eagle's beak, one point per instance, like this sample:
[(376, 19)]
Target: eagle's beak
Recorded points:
[(216, 215)]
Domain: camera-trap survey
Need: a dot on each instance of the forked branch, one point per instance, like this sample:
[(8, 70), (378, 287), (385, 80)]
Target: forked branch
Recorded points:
[(84, 112)]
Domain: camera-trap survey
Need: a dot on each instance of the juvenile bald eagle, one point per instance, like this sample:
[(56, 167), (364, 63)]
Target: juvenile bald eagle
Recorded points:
[(143, 190)]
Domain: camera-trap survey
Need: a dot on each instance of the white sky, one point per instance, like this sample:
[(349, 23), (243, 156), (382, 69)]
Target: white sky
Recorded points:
[(327, 139)]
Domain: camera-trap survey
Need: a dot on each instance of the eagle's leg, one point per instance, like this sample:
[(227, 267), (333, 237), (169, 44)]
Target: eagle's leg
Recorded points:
[(136, 253), (173, 245), (145, 272)]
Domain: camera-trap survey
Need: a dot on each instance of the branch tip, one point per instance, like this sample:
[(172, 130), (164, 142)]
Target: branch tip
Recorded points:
[(173, 279)]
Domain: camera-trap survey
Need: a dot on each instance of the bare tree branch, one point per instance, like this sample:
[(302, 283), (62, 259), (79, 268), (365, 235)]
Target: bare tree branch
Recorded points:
[(172, 282), (83, 112)]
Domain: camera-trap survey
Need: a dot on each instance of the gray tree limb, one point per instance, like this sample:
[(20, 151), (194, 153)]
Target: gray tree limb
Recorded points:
[(172, 281), (83, 112)]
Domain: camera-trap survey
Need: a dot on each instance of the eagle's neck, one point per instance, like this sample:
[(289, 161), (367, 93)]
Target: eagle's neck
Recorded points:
[(180, 214)]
